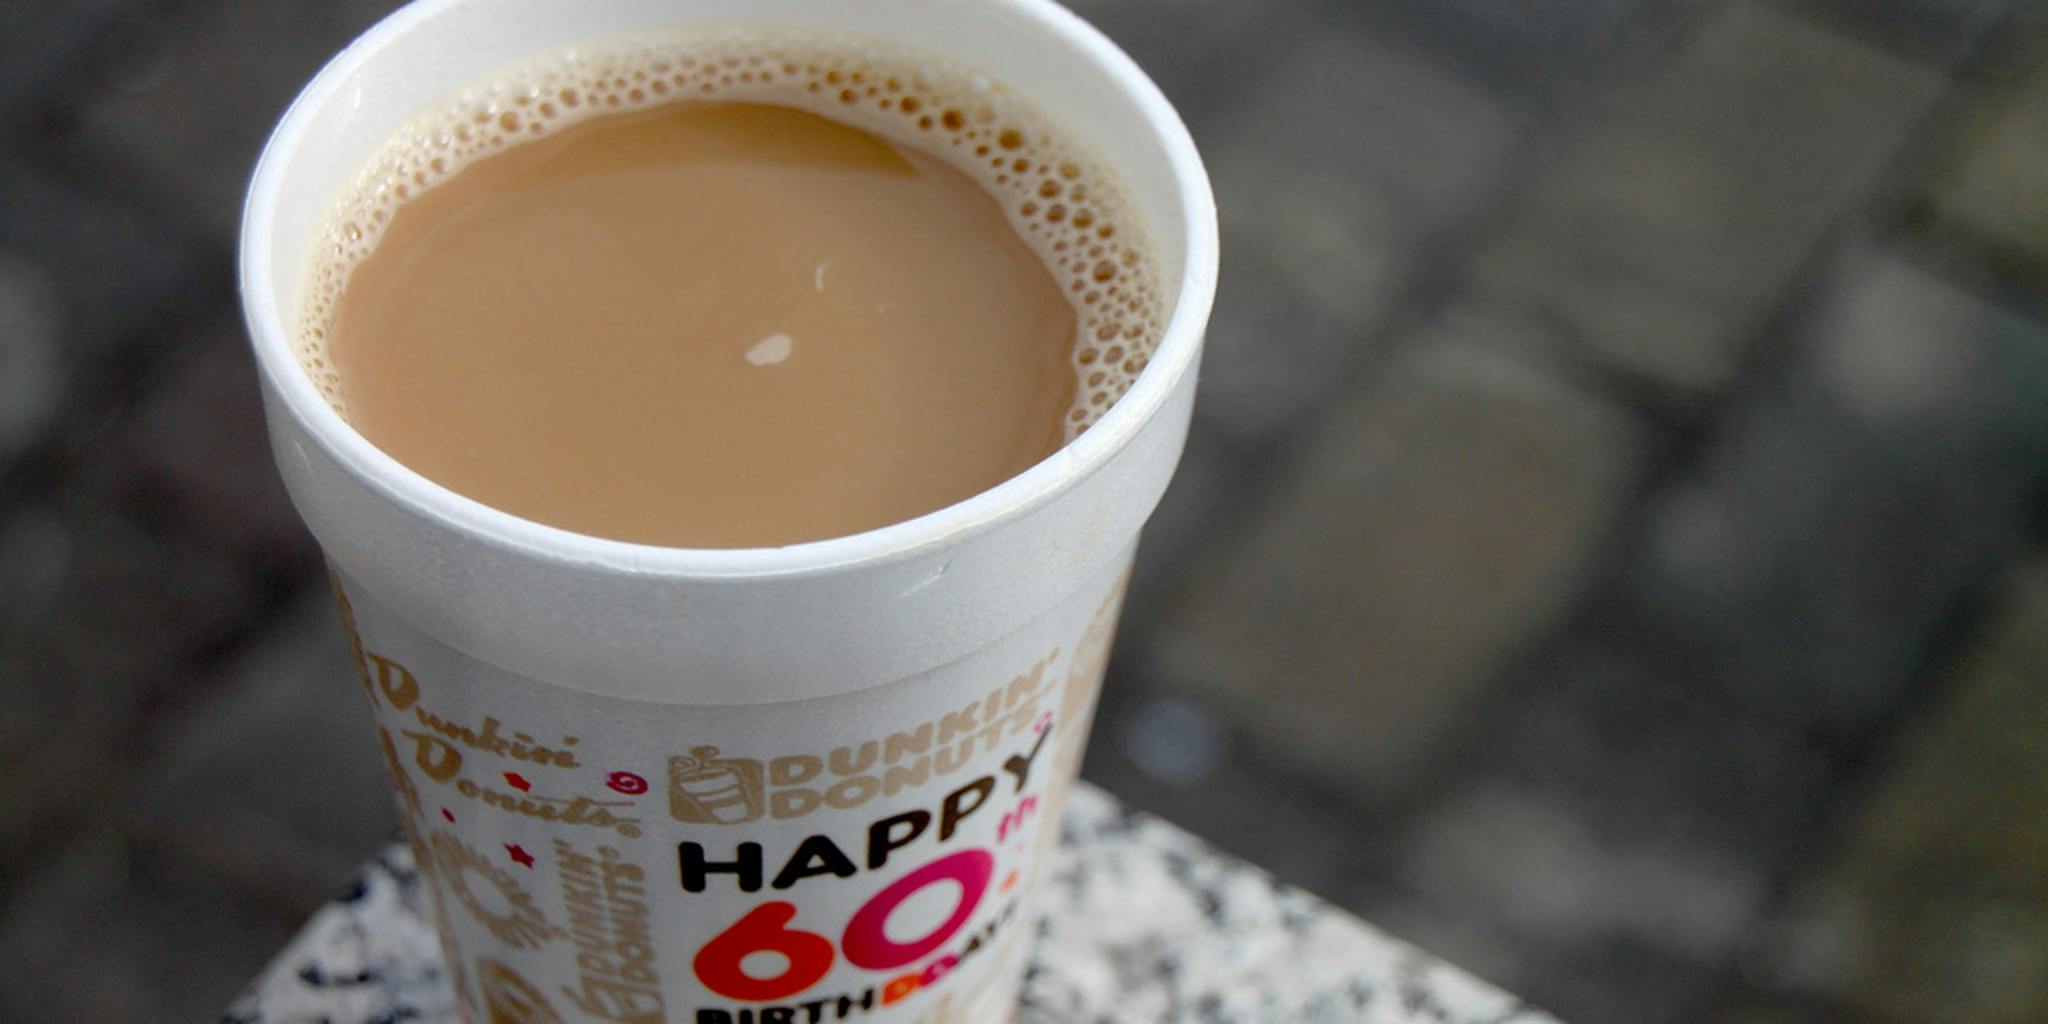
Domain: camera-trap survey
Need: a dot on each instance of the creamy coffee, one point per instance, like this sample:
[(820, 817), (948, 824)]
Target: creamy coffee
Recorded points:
[(731, 291)]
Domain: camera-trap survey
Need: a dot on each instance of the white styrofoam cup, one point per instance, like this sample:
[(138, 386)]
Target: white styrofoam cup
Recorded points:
[(678, 706)]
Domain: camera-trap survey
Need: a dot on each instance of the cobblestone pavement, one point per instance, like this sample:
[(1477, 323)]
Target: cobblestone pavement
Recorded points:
[(1609, 554)]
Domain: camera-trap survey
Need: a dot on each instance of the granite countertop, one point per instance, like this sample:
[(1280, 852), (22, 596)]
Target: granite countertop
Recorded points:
[(1147, 925)]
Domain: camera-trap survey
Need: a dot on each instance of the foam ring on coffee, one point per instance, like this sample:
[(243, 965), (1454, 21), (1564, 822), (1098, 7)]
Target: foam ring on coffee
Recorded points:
[(1061, 201)]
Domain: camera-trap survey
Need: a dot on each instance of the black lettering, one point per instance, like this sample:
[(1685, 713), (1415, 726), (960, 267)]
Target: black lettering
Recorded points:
[(1019, 765), (955, 809), (713, 1017), (816, 855), (847, 1004), (881, 843), (690, 861)]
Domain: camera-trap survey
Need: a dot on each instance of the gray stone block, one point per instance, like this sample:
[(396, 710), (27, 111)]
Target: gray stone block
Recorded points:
[(1334, 179), (271, 780), (1617, 721), (1610, 832), (1560, 27), (1663, 235), (113, 270), (1350, 139), (1533, 49), (1820, 539), (104, 575), (1935, 32), (196, 449), (183, 122), (32, 364), (1598, 982), (98, 619), (1440, 517), (1642, 809), (43, 43), (1181, 43), (1996, 185), (1184, 760), (110, 932), (1211, 487), (1273, 355), (1932, 905)]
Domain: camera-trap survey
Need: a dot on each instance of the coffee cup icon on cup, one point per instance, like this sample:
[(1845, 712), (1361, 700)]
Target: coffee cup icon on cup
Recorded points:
[(704, 790)]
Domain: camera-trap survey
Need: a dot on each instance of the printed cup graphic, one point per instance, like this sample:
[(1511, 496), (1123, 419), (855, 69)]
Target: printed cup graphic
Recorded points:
[(510, 999), (706, 791), (649, 784)]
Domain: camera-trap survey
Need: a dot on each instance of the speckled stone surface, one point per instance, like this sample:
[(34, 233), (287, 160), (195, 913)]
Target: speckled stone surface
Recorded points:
[(1147, 925)]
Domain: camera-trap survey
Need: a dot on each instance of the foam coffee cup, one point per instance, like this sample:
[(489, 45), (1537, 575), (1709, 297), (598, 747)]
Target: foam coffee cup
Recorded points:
[(813, 782)]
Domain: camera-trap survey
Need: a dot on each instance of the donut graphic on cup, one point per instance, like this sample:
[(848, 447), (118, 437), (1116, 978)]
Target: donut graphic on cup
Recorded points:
[(704, 789), (511, 999)]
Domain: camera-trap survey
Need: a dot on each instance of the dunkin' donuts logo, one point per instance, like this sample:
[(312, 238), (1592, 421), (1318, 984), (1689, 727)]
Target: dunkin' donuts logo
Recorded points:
[(958, 814), (707, 788), (704, 789)]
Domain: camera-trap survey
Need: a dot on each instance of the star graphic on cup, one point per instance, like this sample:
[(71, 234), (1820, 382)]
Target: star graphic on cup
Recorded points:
[(519, 854), (517, 781)]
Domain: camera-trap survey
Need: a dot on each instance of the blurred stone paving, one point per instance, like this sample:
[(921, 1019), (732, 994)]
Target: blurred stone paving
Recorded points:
[(1610, 553)]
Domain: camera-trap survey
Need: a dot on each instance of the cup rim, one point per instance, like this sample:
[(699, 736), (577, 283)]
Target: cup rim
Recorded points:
[(1178, 348)]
